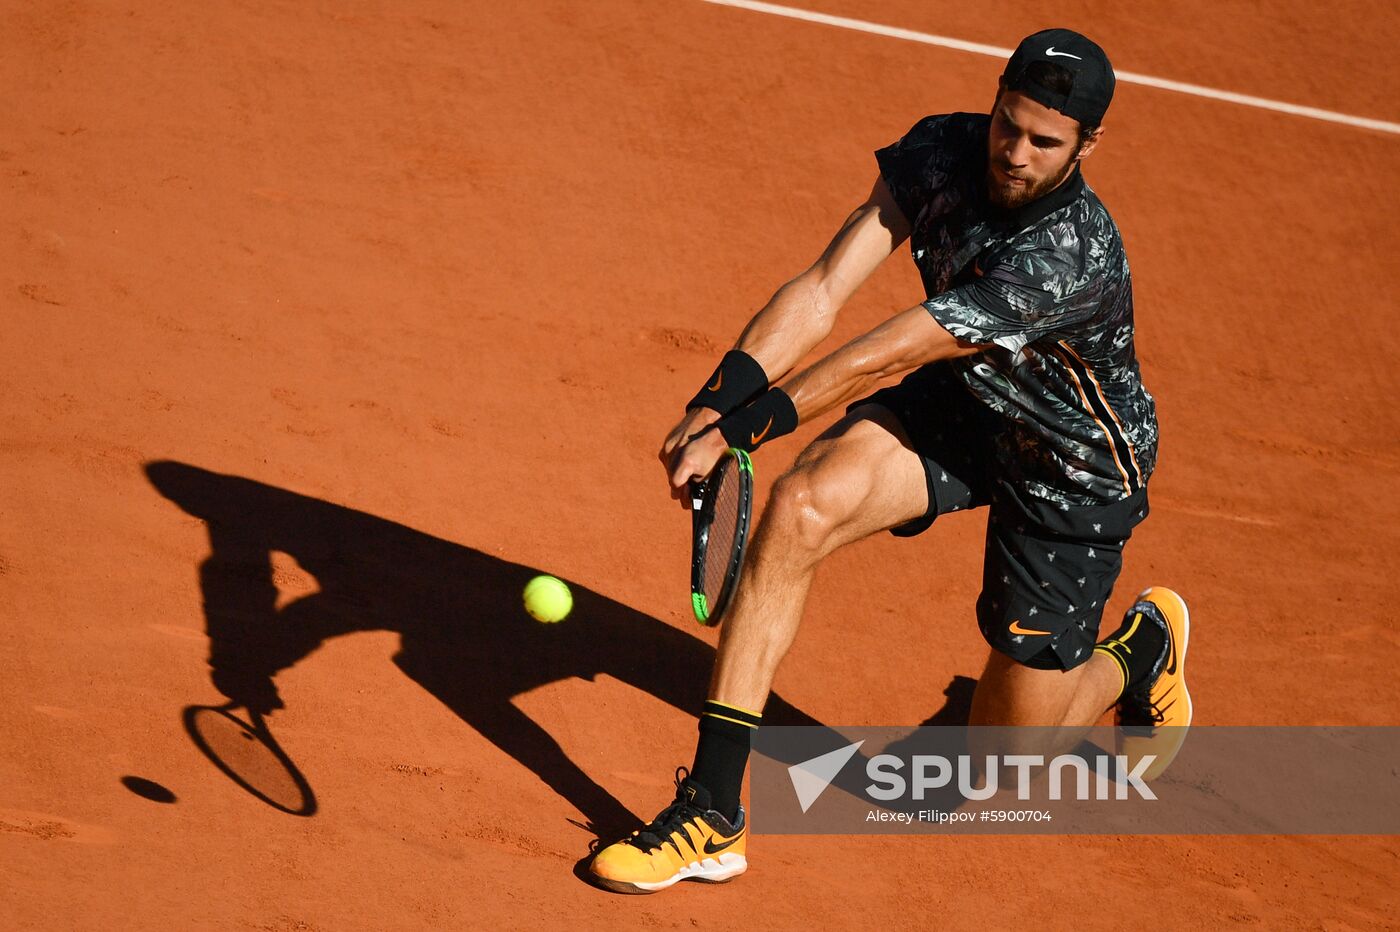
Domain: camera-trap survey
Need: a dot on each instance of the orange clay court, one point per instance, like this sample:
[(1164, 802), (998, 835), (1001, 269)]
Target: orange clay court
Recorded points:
[(398, 299)]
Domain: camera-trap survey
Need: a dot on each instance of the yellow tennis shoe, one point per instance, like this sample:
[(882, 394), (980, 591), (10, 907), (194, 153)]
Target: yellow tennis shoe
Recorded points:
[(1153, 717), (687, 841)]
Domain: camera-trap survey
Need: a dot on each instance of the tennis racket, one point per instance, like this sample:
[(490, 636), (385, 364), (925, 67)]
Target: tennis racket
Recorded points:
[(721, 505)]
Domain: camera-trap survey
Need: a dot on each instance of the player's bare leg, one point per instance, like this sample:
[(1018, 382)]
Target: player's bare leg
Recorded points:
[(855, 480), (858, 478), (1010, 693)]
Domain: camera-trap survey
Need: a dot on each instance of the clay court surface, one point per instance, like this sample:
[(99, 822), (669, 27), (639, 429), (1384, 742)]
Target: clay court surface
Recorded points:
[(328, 325)]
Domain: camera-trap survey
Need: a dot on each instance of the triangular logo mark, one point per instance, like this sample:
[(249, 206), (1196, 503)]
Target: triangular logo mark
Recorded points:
[(811, 777)]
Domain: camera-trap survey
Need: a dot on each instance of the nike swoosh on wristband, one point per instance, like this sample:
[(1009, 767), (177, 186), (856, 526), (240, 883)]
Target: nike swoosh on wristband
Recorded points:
[(755, 439), (719, 380), (1054, 54), (711, 848)]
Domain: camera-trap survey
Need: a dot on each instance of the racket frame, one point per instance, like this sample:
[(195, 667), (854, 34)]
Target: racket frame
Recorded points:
[(702, 505)]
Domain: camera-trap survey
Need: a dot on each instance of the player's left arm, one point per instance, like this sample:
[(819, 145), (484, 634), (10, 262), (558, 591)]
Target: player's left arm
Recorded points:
[(906, 341), (910, 339)]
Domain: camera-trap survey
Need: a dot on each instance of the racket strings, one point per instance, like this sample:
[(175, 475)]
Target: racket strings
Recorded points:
[(723, 529)]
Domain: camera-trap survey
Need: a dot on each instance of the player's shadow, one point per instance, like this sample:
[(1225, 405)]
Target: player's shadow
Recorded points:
[(465, 637), (951, 720)]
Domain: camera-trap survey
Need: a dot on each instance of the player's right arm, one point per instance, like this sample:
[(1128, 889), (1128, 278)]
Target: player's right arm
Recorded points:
[(802, 312)]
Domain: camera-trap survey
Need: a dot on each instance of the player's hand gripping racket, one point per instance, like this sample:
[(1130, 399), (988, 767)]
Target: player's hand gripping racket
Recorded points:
[(721, 505)]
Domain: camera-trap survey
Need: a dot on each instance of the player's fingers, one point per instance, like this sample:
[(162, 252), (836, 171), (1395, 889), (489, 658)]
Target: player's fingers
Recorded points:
[(683, 472), (678, 474), (673, 440), (671, 462)]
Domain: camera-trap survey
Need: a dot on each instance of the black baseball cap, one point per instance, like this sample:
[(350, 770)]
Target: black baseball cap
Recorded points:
[(1091, 75)]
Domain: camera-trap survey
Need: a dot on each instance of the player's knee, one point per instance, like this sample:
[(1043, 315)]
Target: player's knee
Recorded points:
[(806, 508)]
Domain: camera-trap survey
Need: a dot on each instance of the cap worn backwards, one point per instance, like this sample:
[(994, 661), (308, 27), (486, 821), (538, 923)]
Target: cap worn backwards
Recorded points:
[(1091, 74)]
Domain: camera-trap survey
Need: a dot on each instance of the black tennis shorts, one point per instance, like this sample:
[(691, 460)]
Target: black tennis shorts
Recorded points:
[(1048, 569)]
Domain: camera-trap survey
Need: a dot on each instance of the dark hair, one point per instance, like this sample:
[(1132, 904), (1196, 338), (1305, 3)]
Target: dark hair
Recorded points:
[(1058, 79)]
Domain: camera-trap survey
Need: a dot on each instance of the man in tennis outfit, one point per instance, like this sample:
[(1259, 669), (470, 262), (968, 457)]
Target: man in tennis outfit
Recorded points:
[(1023, 395)]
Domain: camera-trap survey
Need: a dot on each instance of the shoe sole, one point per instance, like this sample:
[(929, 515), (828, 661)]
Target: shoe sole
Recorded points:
[(710, 870)]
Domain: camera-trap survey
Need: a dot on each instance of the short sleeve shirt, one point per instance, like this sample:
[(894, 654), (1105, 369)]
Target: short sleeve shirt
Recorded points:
[(1045, 289)]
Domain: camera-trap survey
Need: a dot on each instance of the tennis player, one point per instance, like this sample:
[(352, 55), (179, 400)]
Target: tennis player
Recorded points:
[(1023, 395)]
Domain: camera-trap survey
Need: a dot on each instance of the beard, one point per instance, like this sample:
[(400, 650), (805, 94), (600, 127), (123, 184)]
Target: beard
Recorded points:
[(1010, 194)]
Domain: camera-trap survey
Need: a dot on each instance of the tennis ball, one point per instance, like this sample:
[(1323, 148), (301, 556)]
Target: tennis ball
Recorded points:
[(548, 599)]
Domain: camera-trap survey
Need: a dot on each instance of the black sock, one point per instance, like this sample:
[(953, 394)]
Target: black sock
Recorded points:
[(723, 753), (1135, 646)]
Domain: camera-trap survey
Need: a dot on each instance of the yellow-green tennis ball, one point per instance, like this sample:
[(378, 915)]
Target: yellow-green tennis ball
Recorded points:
[(548, 599)]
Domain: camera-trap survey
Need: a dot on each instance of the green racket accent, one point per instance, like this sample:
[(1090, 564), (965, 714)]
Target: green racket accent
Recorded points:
[(745, 463), (702, 610)]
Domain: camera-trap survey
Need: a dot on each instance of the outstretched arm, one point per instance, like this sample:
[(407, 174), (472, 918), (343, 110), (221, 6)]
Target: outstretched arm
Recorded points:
[(803, 311)]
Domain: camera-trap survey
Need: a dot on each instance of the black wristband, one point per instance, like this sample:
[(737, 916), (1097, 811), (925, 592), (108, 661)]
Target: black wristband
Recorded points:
[(737, 380), (771, 415)]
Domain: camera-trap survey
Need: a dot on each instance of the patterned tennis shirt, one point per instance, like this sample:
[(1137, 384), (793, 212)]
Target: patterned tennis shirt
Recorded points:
[(1045, 288)]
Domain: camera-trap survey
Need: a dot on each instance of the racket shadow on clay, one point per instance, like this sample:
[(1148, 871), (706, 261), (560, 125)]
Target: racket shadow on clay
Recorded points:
[(247, 753)]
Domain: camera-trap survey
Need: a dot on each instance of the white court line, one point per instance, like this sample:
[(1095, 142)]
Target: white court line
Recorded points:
[(1126, 77)]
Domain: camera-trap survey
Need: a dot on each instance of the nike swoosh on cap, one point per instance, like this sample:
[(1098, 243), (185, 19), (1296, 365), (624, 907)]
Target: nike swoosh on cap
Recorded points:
[(1054, 54)]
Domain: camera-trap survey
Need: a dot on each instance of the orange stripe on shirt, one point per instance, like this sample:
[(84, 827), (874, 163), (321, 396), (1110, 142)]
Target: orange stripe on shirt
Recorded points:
[(1112, 447), (1132, 454)]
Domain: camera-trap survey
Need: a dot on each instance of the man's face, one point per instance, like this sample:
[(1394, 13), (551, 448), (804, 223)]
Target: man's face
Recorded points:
[(1031, 149)]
